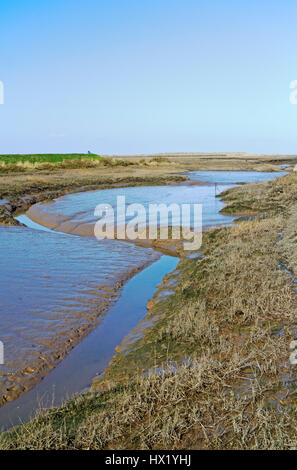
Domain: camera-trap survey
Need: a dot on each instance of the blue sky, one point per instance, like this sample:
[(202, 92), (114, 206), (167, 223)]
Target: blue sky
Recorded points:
[(118, 77)]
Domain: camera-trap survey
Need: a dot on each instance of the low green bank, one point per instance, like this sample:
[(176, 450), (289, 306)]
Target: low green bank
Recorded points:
[(45, 158)]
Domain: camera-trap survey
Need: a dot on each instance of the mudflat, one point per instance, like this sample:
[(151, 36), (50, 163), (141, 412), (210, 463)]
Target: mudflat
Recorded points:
[(19, 191), (212, 370)]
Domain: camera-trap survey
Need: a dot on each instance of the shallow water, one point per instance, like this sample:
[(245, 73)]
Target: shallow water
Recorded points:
[(75, 213), (53, 288), (233, 177)]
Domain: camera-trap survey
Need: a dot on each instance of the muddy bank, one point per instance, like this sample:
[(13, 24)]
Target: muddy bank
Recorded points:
[(64, 224)]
